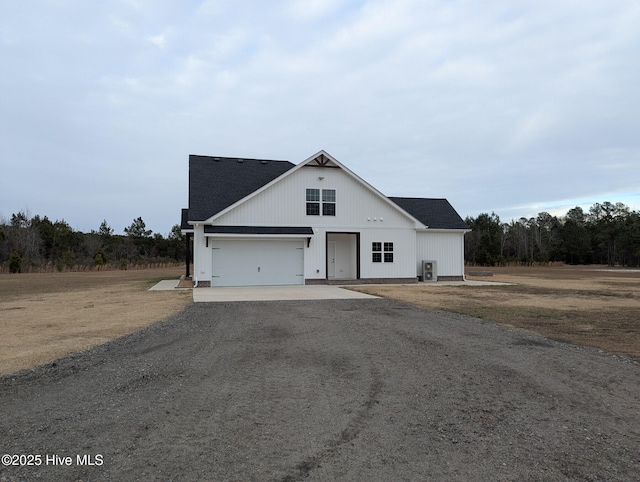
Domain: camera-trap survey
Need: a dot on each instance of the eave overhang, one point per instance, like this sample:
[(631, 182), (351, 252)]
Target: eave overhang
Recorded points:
[(293, 231)]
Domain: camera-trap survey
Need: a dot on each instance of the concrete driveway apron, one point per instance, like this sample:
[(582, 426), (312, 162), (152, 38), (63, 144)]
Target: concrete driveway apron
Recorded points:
[(275, 293)]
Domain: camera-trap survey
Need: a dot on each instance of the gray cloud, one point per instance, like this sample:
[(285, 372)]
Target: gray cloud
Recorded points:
[(497, 106)]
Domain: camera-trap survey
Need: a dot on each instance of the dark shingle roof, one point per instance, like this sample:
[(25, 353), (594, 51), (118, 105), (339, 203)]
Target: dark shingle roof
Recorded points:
[(216, 183), (434, 213)]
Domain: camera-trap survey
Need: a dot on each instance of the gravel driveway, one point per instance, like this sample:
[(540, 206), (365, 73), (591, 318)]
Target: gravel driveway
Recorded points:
[(324, 390)]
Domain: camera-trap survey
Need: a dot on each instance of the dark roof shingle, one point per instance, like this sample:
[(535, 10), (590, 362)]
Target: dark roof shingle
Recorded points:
[(215, 183), (434, 213)]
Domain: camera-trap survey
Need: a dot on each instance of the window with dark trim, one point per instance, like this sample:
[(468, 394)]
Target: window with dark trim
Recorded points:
[(378, 255), (313, 202)]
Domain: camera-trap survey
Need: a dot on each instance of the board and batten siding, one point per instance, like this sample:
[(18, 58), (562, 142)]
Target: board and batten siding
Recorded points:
[(404, 253), (447, 247), (358, 210), (284, 204)]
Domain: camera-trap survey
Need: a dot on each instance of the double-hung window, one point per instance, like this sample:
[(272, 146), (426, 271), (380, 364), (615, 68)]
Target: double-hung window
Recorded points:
[(328, 202), (313, 202)]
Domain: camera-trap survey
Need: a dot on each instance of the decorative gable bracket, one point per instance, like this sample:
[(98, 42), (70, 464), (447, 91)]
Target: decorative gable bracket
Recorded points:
[(321, 160)]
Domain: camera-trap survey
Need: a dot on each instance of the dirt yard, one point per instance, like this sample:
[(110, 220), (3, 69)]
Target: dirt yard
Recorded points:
[(593, 305), (46, 316), (319, 390)]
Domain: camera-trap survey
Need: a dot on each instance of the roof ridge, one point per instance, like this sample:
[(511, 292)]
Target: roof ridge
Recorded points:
[(413, 197), (226, 158)]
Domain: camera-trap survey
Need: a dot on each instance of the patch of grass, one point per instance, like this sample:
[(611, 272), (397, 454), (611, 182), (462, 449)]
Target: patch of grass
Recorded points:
[(570, 305), (18, 285), (613, 331)]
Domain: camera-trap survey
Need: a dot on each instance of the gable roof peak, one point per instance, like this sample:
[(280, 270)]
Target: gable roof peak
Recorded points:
[(321, 159)]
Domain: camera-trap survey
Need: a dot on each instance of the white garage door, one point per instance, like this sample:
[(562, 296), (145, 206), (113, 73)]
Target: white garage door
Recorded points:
[(254, 263)]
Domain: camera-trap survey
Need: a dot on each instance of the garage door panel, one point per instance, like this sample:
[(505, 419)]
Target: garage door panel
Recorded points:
[(254, 263)]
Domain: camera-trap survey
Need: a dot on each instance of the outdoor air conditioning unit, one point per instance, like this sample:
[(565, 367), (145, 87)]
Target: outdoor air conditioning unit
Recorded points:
[(429, 271)]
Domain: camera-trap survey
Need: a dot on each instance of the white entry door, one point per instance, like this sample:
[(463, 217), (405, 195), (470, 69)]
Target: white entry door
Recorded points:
[(331, 259), (257, 262)]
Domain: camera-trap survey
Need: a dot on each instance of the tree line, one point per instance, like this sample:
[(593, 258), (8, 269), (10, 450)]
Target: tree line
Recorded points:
[(34, 243), (607, 234)]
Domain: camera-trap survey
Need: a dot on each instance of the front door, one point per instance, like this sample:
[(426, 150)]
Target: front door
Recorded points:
[(331, 259), (343, 253)]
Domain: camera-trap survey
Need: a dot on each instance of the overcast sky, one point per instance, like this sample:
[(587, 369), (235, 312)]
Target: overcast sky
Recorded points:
[(509, 106)]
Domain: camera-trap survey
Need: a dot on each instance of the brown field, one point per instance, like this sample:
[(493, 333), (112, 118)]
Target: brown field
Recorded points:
[(587, 305), (49, 315), (46, 316)]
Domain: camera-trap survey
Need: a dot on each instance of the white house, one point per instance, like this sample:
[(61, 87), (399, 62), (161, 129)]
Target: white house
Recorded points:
[(265, 222)]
